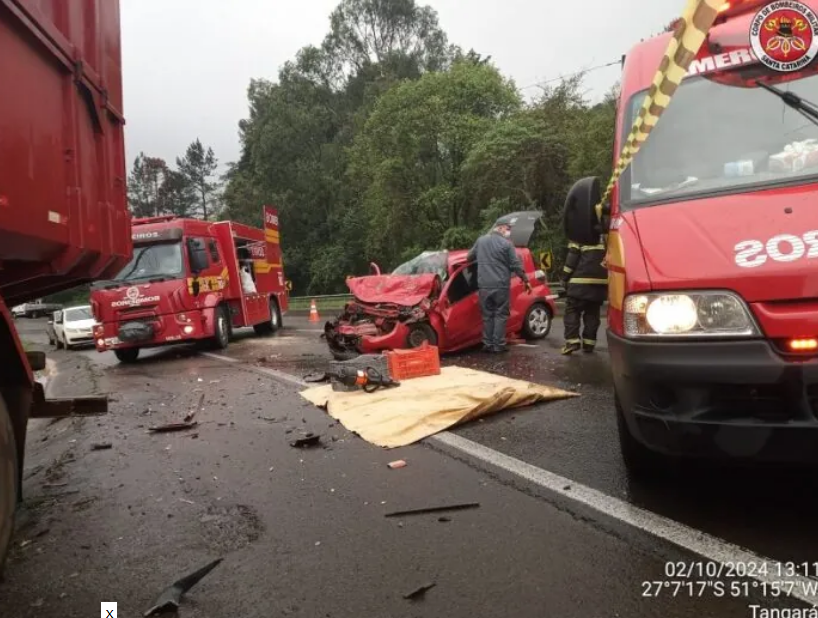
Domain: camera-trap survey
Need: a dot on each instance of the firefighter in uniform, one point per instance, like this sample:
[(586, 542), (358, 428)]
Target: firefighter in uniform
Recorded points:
[(586, 284)]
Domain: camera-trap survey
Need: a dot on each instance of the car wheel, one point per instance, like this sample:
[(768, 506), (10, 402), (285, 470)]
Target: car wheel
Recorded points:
[(8, 482), (420, 333), (273, 324), (537, 322), (640, 462), (127, 355), (222, 335)]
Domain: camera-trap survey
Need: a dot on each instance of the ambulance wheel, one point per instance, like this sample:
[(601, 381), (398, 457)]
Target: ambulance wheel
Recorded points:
[(641, 463), (127, 355), (579, 216), (9, 480), (222, 335), (420, 333), (273, 324), (537, 323)]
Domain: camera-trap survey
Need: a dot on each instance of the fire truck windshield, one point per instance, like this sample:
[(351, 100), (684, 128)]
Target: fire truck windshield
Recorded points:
[(153, 261), (716, 138)]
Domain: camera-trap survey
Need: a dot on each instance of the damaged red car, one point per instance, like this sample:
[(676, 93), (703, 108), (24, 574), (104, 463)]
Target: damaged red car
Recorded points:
[(433, 298)]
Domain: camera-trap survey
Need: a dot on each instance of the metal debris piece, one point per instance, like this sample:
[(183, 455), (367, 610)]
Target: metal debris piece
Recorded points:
[(419, 592), (311, 439), (444, 520), (172, 427), (435, 509), (394, 465), (101, 446), (171, 597)]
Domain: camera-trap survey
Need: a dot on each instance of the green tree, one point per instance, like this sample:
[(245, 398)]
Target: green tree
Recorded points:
[(176, 195), (144, 184), (407, 160), (199, 166)]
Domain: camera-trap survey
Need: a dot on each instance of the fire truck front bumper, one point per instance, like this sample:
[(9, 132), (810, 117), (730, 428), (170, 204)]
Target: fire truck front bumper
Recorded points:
[(733, 400), (152, 332)]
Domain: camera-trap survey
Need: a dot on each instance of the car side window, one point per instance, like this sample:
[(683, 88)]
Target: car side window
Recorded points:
[(463, 284), (214, 251), (58, 317)]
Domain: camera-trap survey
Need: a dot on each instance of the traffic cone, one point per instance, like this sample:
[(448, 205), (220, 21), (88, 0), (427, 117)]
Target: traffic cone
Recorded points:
[(313, 312)]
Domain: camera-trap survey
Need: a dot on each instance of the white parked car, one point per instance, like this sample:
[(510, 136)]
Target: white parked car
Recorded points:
[(18, 311), (72, 327)]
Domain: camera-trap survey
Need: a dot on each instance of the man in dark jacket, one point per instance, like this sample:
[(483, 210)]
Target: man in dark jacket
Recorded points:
[(496, 260), (586, 283)]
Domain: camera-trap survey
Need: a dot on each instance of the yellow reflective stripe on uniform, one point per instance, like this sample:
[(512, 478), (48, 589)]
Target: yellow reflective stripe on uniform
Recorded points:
[(589, 341), (573, 245), (573, 341), (589, 280), (567, 270), (592, 248)]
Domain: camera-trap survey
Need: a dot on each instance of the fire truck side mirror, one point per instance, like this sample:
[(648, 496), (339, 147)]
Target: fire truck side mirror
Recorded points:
[(579, 217), (197, 255)]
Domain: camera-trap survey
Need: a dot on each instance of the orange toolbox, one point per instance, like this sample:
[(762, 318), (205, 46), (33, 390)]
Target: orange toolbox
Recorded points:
[(414, 363)]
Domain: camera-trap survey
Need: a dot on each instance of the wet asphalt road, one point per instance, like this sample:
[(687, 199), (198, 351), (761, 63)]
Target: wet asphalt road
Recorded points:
[(303, 532)]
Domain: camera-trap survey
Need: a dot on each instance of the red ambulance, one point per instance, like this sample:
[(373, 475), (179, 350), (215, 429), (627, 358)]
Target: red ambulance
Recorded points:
[(713, 247), (191, 280)]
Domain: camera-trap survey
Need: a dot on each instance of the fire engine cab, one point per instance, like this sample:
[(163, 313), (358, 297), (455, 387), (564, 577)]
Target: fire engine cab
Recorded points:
[(712, 246), (191, 280)]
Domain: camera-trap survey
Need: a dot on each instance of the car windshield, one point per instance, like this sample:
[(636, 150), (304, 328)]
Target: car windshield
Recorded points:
[(723, 137), (149, 261), (428, 262), (77, 314)]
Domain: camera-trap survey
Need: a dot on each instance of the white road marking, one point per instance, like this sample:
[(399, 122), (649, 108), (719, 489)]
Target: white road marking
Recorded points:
[(705, 545), (525, 345)]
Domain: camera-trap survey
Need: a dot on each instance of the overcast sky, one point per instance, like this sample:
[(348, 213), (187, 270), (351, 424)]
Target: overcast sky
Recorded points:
[(187, 63)]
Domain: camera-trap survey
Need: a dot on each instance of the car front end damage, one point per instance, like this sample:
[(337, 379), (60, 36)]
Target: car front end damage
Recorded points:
[(386, 313)]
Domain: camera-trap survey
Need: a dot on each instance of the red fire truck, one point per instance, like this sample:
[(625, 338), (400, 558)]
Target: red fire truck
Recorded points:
[(713, 247), (191, 280)]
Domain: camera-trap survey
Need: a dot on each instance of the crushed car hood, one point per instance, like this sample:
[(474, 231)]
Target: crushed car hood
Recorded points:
[(404, 290)]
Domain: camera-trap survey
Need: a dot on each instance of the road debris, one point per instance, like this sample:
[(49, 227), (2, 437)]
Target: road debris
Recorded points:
[(189, 416), (171, 597), (444, 520), (394, 465), (315, 378), (310, 439), (101, 446), (168, 427), (435, 509), (418, 593)]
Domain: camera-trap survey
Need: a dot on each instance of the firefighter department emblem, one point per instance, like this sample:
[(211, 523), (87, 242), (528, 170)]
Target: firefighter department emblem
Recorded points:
[(784, 35)]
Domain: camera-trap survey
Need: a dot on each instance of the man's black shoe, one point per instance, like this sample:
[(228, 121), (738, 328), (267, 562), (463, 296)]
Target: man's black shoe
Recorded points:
[(588, 349), (501, 349), (487, 349)]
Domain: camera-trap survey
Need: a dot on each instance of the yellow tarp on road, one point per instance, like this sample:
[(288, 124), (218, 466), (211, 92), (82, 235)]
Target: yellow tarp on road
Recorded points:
[(422, 407)]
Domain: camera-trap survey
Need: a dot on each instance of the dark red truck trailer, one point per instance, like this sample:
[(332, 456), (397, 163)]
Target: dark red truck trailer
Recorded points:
[(63, 212)]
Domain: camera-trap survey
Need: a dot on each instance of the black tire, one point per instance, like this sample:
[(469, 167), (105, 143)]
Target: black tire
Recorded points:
[(9, 479), (537, 321), (420, 333), (579, 217), (222, 336), (127, 355), (640, 462), (274, 323)]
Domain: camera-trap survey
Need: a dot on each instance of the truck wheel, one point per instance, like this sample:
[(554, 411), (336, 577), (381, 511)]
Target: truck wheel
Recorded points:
[(273, 324), (537, 323), (640, 462), (579, 217), (8, 482), (420, 333), (127, 355), (222, 336)]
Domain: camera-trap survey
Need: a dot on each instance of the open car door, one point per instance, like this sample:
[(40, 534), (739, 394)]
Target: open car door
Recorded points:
[(522, 224), (460, 309)]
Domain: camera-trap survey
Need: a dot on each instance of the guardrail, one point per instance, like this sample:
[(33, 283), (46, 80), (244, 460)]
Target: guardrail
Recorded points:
[(337, 301)]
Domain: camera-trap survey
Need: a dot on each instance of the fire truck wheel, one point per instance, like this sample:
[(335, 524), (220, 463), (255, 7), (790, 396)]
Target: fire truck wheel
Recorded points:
[(641, 463), (222, 336), (127, 355), (8, 482), (579, 217), (273, 324)]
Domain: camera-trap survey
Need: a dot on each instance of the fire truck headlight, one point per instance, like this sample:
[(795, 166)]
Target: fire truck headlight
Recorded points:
[(705, 314), (188, 329), (101, 343)]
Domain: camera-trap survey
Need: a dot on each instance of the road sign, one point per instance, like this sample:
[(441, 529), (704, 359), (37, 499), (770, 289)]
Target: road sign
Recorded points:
[(546, 260)]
